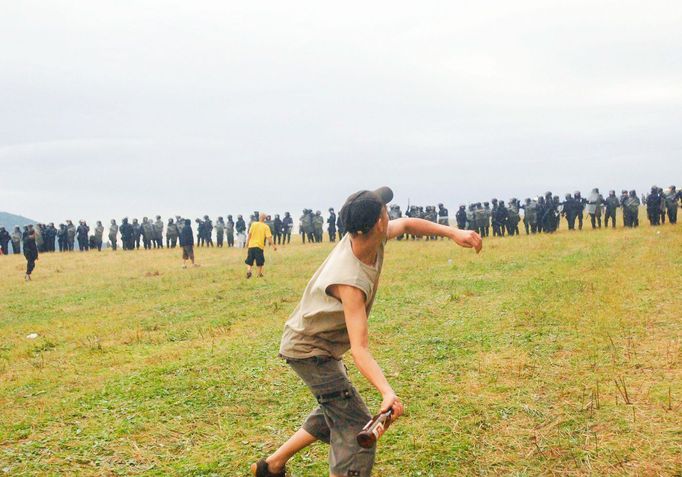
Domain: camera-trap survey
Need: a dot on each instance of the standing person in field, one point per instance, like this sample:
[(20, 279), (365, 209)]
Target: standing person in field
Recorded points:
[(99, 233), (331, 318), (287, 227), (240, 227), (16, 240), (5, 239), (277, 223), (229, 231), (82, 234), (172, 233), (219, 231), (158, 232), (331, 225), (187, 243), (259, 232), (113, 233), (30, 250)]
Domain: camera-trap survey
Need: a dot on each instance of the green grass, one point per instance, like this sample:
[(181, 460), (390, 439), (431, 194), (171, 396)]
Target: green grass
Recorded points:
[(507, 361)]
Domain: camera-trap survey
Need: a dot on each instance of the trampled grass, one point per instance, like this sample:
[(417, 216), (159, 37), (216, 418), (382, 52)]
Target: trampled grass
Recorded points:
[(544, 355)]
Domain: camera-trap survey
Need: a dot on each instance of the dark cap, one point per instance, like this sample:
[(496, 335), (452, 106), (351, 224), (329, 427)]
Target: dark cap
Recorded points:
[(362, 209)]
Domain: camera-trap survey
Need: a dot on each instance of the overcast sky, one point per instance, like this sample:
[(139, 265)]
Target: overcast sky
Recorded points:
[(132, 108)]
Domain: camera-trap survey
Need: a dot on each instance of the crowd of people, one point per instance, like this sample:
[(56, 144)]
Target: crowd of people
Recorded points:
[(542, 214)]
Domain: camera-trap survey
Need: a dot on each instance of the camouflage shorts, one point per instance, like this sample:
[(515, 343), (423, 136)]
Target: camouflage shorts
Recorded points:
[(341, 414)]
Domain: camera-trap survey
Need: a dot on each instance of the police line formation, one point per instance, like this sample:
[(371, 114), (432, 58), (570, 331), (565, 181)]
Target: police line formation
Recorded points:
[(540, 215)]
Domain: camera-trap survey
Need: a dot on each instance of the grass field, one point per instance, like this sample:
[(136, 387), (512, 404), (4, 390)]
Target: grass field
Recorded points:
[(543, 355)]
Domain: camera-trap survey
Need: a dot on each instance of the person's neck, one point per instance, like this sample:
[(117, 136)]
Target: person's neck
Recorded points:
[(365, 249)]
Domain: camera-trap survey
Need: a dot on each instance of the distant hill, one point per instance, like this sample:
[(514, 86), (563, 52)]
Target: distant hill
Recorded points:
[(8, 220)]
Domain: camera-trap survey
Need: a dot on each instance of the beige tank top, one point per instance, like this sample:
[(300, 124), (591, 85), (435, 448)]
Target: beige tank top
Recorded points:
[(317, 327)]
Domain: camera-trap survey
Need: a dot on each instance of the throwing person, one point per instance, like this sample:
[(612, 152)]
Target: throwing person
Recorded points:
[(330, 319)]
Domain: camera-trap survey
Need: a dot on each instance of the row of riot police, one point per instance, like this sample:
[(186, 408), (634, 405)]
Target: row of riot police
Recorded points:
[(540, 215), (311, 226), (660, 203), (431, 213), (48, 237), (280, 227), (543, 214)]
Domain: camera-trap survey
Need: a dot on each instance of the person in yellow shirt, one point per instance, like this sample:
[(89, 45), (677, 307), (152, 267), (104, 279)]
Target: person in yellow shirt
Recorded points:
[(259, 232)]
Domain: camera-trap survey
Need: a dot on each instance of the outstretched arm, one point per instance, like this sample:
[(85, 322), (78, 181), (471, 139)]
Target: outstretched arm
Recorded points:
[(413, 226)]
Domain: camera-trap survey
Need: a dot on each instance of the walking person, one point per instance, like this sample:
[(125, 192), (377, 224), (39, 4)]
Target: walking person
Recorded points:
[(30, 250), (332, 318), (259, 232)]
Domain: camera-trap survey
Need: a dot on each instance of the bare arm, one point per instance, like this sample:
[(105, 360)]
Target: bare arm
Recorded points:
[(353, 300), (413, 226)]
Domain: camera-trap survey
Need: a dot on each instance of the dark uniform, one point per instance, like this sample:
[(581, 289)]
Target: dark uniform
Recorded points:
[(136, 234), (208, 231), (570, 211), (549, 214), (82, 233), (653, 206), (127, 235), (497, 231), (500, 216), (612, 203), (632, 204), (50, 236), (331, 225), (461, 217), (277, 227), (580, 208), (513, 217), (62, 238), (5, 239), (30, 250), (240, 225), (340, 227), (287, 227), (229, 231)]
